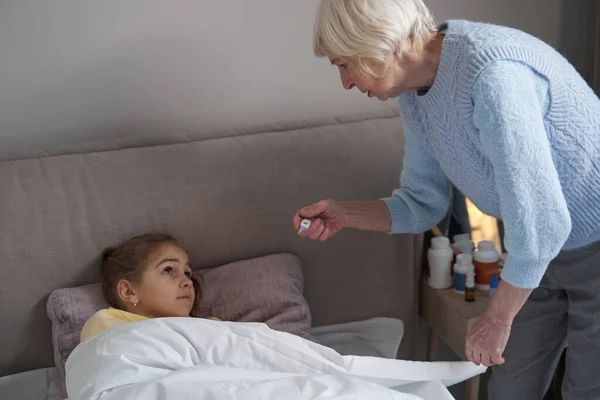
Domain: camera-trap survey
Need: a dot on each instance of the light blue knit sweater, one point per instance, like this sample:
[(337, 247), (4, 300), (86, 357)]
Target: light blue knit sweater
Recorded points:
[(514, 127)]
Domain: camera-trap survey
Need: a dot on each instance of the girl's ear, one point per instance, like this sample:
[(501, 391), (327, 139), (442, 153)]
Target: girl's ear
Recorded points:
[(127, 294)]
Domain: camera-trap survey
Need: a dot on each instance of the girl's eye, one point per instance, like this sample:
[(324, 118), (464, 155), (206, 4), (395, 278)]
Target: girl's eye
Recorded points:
[(188, 274), (344, 66), (168, 270)]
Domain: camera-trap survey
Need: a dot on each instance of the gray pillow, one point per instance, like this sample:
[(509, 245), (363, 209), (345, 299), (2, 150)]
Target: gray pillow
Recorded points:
[(69, 309), (264, 289)]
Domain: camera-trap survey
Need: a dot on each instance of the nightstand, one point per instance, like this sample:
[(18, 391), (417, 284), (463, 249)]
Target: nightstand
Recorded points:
[(449, 318)]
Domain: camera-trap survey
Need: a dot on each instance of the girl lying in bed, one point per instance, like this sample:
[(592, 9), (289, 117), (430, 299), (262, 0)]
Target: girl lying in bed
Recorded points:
[(148, 276)]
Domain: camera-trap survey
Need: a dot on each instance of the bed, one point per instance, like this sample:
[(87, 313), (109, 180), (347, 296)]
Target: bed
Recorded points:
[(227, 196)]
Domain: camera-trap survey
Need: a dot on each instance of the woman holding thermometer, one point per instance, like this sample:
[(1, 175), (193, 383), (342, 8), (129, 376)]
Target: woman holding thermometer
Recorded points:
[(508, 121)]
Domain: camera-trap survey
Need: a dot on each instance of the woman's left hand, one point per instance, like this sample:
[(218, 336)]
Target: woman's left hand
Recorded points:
[(487, 340)]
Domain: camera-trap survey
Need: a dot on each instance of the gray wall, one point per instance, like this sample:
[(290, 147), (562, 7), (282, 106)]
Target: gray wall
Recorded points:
[(579, 37), (78, 71)]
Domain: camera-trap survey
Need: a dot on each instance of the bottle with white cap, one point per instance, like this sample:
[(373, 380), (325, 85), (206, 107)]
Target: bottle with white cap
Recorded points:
[(464, 263), (464, 243), (485, 259), (461, 237), (494, 283), (466, 246), (439, 257)]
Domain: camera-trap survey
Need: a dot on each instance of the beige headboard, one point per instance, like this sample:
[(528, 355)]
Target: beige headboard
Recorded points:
[(226, 196)]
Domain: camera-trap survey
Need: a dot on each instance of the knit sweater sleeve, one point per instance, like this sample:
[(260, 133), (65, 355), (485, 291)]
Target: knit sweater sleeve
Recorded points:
[(423, 198), (509, 105)]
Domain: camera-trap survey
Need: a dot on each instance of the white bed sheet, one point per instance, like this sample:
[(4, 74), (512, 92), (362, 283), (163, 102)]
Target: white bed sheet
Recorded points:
[(39, 384), (148, 359), (376, 337), (379, 337)]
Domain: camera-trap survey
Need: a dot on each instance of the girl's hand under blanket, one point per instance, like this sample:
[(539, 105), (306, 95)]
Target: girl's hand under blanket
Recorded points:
[(328, 218)]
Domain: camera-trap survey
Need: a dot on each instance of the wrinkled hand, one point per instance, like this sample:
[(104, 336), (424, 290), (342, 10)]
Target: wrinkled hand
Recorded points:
[(487, 340), (328, 218)]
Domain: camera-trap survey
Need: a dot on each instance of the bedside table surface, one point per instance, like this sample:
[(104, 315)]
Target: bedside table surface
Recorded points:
[(449, 315), (457, 301)]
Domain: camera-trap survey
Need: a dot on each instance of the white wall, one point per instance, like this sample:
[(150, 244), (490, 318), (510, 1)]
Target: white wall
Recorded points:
[(76, 71)]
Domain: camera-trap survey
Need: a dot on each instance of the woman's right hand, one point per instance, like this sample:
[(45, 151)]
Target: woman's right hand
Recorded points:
[(328, 218)]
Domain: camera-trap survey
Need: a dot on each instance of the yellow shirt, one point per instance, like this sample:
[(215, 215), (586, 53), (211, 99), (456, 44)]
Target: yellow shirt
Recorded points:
[(108, 318)]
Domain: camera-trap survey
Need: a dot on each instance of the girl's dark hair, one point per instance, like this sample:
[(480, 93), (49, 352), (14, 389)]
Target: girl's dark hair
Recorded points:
[(128, 261)]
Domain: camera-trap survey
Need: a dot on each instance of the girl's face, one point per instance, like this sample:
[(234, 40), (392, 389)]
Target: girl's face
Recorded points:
[(166, 288)]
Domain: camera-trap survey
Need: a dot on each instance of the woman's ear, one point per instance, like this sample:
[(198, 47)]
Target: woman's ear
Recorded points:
[(127, 294)]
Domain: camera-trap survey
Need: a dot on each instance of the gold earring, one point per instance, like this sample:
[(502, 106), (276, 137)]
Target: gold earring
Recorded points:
[(135, 304)]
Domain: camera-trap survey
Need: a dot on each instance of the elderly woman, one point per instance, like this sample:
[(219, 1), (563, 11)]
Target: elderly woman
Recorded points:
[(509, 122)]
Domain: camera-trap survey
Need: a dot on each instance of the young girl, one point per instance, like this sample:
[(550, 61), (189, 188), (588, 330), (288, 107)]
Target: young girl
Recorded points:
[(148, 276)]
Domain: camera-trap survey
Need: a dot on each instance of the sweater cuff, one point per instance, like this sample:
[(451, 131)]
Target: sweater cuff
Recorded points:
[(401, 223), (525, 274)]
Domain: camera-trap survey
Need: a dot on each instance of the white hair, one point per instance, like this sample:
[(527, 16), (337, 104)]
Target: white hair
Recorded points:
[(370, 29)]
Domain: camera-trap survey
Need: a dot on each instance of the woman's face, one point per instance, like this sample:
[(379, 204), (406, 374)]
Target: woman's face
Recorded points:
[(389, 85), (413, 71), (166, 288)]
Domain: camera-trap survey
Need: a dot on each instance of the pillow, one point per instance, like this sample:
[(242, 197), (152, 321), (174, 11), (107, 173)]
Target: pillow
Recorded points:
[(264, 289), (69, 309)]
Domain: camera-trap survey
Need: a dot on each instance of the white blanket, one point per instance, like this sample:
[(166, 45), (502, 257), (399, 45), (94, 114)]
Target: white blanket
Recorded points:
[(376, 337), (184, 358)]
